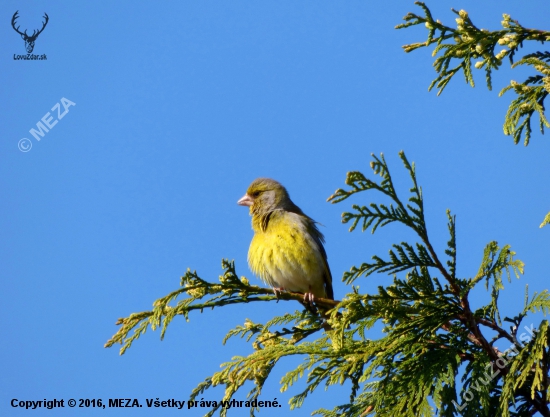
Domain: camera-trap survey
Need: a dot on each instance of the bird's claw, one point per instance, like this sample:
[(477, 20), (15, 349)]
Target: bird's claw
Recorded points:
[(309, 299), (277, 291)]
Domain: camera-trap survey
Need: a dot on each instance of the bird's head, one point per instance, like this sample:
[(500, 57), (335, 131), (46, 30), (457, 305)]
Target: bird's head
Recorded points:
[(265, 195)]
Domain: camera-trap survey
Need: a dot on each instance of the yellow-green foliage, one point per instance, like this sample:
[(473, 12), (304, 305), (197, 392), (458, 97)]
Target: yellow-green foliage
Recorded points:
[(546, 220), (436, 354), (468, 43)]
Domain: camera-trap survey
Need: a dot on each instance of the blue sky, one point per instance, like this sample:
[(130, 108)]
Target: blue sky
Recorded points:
[(179, 106)]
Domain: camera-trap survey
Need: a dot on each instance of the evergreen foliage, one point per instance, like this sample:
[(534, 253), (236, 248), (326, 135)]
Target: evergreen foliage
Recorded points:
[(437, 355), (467, 42)]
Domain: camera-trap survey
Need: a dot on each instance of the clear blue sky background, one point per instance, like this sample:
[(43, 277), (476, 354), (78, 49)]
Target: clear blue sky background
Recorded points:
[(179, 106)]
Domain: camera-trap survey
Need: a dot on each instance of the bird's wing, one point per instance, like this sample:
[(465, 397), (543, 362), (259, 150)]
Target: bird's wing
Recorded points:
[(319, 240)]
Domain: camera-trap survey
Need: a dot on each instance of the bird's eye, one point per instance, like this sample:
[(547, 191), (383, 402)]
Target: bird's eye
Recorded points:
[(255, 194)]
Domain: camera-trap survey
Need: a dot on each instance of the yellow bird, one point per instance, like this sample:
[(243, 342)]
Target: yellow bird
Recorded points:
[(287, 250)]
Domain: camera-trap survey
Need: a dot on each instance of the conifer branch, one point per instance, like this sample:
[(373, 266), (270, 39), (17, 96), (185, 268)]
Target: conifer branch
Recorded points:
[(200, 295), (467, 43), (431, 336), (404, 306)]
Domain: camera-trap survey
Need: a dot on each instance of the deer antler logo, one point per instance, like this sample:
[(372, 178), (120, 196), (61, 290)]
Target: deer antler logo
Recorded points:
[(29, 40)]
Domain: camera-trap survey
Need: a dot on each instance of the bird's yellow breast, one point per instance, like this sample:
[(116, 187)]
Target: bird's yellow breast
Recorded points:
[(285, 255)]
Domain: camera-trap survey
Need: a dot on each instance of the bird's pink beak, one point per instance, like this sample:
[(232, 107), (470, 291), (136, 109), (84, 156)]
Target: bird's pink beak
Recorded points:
[(246, 200)]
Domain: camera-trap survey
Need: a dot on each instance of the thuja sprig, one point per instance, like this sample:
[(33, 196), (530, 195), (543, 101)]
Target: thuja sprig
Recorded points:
[(530, 98), (198, 294), (465, 47), (404, 256), (439, 316)]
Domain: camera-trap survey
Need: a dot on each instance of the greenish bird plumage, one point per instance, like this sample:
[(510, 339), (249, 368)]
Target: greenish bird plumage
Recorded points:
[(287, 250)]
